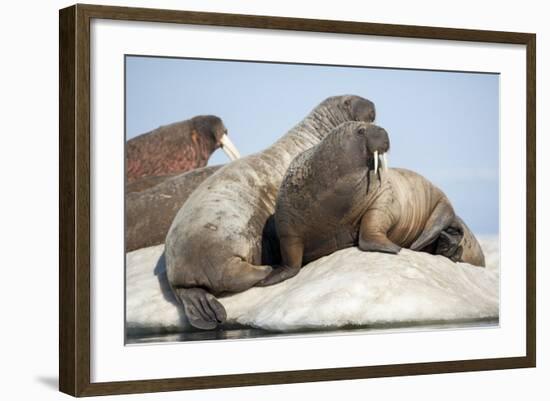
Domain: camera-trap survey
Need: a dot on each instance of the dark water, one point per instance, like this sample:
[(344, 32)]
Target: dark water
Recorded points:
[(241, 333)]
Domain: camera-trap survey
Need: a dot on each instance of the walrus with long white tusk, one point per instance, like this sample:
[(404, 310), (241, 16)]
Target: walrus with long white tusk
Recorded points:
[(334, 196), (177, 148), (214, 246)]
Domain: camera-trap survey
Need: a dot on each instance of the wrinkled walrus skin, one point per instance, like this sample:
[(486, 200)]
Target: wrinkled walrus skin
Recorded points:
[(174, 149), (214, 245), (331, 198), (151, 209)]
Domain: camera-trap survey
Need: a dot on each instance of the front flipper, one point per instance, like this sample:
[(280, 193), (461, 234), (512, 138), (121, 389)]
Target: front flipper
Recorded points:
[(379, 243), (292, 252), (279, 274), (373, 233), (202, 309), (441, 218)]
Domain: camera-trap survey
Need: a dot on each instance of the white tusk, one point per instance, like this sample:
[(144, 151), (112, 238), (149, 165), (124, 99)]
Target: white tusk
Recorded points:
[(375, 162), (229, 148), (385, 162)]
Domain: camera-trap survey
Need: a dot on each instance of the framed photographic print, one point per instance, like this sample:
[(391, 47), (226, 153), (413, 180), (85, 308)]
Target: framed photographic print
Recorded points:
[(250, 200)]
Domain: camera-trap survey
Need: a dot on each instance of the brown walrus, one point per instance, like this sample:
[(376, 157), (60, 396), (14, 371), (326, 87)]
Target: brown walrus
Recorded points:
[(154, 202), (214, 245), (177, 148), (333, 197), (141, 184)]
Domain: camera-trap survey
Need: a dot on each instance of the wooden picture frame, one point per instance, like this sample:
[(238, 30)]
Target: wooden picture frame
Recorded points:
[(74, 199)]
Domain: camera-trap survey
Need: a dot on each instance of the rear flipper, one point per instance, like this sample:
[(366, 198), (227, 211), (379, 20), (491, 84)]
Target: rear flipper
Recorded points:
[(441, 218), (202, 309), (448, 243), (470, 249)]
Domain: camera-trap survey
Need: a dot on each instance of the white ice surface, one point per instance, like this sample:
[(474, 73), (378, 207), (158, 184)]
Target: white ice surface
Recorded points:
[(349, 287)]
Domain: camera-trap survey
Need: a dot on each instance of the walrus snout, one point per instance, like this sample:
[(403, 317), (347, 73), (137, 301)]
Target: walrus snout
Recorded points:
[(378, 145)]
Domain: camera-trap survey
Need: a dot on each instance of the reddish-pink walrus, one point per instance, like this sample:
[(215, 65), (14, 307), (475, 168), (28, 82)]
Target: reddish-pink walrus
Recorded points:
[(176, 148)]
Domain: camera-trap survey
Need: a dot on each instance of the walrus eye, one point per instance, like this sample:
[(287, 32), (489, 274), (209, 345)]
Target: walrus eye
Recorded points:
[(361, 131)]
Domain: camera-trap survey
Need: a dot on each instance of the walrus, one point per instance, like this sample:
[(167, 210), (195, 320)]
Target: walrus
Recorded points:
[(153, 202), (177, 148), (333, 196), (141, 184), (215, 244)]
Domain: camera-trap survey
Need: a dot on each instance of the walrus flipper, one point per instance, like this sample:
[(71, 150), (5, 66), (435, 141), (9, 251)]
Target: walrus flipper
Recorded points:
[(441, 218), (378, 243), (470, 249), (202, 309), (279, 274), (448, 243), (292, 252), (375, 225)]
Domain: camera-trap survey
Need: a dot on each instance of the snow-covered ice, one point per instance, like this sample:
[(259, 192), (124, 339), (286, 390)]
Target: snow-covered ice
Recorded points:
[(346, 288)]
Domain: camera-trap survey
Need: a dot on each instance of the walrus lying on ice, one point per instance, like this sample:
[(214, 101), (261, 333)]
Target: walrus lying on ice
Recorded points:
[(334, 197), (152, 204), (214, 245), (176, 148)]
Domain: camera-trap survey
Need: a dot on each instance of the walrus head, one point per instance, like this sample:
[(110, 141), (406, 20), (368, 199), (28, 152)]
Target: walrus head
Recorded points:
[(351, 152), (213, 128), (361, 144), (359, 108), (347, 108), (377, 146)]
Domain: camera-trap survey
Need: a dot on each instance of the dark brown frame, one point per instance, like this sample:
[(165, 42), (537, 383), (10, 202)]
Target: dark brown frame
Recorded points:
[(74, 199)]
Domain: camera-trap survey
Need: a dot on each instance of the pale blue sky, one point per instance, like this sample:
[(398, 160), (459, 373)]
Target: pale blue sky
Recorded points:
[(444, 125)]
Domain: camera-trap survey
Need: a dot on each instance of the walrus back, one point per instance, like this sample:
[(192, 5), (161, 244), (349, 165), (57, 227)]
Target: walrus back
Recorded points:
[(223, 219), (294, 198), (416, 198)]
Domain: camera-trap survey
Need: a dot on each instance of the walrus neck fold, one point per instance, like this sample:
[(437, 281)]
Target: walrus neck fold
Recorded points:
[(326, 118), (312, 129)]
